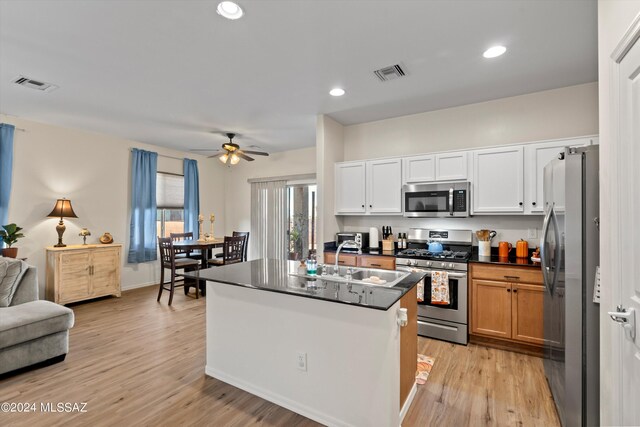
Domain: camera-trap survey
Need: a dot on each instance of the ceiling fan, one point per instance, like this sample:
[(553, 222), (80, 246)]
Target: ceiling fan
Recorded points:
[(231, 152)]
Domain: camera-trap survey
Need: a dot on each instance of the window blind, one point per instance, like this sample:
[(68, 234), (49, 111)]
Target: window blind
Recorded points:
[(170, 191)]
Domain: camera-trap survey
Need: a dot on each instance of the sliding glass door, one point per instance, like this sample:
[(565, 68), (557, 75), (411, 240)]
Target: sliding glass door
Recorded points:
[(302, 211)]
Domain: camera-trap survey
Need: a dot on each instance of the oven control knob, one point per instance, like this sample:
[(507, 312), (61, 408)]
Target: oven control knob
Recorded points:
[(429, 263), (415, 262), (451, 265), (443, 264)]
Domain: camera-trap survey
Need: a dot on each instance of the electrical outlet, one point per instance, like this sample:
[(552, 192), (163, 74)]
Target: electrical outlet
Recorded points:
[(533, 233), (302, 361)]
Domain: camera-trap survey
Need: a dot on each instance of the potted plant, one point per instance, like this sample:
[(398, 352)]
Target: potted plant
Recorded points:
[(10, 235)]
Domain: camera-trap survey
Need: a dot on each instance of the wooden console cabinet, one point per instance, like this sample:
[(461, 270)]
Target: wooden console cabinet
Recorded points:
[(81, 272), (507, 304)]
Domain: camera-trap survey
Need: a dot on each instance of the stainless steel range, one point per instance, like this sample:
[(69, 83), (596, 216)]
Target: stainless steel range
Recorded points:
[(450, 252)]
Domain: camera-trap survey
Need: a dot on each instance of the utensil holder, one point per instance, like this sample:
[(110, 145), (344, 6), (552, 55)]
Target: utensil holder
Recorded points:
[(484, 248)]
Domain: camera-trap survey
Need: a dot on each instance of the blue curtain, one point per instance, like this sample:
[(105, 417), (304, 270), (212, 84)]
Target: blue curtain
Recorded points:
[(6, 163), (142, 241), (191, 196)]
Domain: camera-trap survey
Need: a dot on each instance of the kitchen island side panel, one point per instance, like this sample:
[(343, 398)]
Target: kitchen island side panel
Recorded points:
[(353, 355)]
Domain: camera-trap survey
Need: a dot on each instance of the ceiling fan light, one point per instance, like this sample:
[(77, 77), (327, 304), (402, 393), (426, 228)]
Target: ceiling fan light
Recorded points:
[(223, 158), (234, 159)]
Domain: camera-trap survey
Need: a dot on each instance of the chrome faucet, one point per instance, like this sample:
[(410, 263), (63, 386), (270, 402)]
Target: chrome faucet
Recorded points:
[(349, 242)]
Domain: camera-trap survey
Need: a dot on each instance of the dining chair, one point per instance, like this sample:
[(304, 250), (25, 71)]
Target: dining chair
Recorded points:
[(177, 237), (232, 251), (246, 244), (169, 261)]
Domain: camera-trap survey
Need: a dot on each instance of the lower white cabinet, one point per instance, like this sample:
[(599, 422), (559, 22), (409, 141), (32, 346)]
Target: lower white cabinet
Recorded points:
[(497, 186)]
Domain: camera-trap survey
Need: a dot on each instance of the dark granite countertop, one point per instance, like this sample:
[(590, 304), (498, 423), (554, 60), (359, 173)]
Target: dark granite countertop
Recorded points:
[(273, 276), (495, 259)]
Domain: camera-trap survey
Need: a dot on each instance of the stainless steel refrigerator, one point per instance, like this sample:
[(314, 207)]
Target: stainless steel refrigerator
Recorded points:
[(570, 256)]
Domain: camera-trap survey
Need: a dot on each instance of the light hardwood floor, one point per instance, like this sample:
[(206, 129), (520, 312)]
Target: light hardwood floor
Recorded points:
[(138, 362)]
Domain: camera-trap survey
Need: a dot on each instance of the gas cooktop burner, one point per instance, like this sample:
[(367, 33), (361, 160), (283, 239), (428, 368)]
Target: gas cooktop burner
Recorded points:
[(423, 253)]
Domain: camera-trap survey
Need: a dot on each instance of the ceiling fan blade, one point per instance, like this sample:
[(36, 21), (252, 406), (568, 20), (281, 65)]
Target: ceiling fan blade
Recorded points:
[(257, 153), (216, 154), (244, 156)]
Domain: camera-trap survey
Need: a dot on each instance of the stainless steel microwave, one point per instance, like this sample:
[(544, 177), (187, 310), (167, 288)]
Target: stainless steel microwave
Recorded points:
[(436, 200)]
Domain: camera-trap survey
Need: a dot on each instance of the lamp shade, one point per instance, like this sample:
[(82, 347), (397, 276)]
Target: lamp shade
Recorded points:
[(62, 209)]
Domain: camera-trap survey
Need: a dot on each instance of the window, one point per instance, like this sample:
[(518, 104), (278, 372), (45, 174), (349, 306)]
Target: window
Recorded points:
[(302, 220), (170, 201)]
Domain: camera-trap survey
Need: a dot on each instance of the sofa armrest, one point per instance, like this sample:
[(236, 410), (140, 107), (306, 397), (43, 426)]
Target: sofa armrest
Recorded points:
[(27, 288)]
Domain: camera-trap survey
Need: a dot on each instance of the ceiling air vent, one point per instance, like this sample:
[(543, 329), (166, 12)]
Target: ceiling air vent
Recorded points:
[(389, 73), (34, 84)]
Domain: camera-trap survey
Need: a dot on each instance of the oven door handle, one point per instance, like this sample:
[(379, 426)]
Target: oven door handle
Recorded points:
[(424, 270)]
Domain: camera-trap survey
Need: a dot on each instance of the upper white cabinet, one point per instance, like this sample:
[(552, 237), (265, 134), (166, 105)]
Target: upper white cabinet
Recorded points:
[(451, 166), (419, 169), (435, 167), (384, 190), (350, 188), (536, 157), (368, 187), (498, 180)]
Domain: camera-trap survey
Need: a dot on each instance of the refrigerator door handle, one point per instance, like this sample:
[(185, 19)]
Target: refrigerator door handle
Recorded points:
[(543, 250), (549, 218)]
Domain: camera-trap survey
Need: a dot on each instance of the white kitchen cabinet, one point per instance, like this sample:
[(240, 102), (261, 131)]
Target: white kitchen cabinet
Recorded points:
[(384, 189), (451, 166), (350, 188), (536, 157), (419, 169), (498, 180)]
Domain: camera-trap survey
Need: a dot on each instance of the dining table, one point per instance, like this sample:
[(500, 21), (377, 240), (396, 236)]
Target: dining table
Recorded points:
[(206, 253)]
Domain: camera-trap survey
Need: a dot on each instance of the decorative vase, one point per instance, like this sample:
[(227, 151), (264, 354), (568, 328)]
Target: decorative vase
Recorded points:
[(10, 252)]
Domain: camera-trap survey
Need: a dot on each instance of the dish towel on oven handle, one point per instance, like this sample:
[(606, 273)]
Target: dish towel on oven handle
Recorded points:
[(420, 290), (440, 288)]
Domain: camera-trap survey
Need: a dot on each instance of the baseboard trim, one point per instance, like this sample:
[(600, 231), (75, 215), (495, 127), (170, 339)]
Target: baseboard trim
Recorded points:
[(408, 401), (285, 402), (139, 285)]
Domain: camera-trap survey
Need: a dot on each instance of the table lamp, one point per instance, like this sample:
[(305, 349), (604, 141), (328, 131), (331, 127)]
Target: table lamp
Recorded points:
[(62, 209)]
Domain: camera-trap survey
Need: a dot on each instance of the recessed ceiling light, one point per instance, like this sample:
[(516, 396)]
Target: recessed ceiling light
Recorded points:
[(336, 91), (494, 51), (230, 10)]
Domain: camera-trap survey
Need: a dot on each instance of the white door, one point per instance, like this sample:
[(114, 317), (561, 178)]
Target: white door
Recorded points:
[(384, 186), (350, 188), (626, 135), (419, 169), (498, 180), (451, 166)]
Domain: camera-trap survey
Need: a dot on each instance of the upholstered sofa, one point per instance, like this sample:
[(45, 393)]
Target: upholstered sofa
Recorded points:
[(32, 331)]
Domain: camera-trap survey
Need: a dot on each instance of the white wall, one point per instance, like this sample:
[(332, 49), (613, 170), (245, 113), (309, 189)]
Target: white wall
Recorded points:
[(552, 114), (93, 171), (614, 18), (330, 149), (237, 195)]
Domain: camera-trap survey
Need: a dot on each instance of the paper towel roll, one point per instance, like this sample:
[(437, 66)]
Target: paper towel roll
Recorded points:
[(373, 237)]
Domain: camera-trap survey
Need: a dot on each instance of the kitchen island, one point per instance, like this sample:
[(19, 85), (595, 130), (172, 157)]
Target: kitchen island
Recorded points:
[(330, 350)]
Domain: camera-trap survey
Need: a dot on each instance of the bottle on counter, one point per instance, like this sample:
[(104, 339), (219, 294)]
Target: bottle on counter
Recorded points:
[(312, 265)]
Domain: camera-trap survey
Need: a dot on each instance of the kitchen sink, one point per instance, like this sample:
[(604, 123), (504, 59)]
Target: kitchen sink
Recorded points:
[(365, 276)]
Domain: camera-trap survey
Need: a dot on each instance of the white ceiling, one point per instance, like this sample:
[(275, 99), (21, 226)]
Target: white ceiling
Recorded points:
[(172, 72)]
